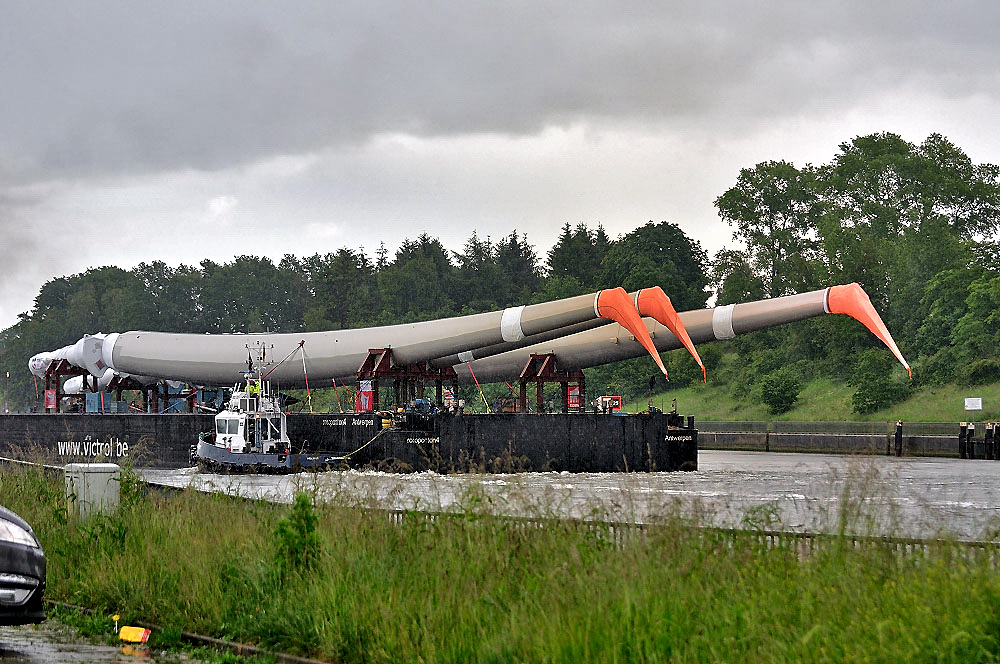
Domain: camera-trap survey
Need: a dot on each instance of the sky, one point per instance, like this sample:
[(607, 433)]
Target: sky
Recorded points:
[(186, 130)]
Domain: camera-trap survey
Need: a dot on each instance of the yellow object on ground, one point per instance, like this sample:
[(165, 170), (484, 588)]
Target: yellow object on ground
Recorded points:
[(133, 634)]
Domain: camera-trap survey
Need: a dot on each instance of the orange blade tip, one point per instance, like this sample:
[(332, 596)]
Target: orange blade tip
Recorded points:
[(653, 302), (615, 304), (852, 300)]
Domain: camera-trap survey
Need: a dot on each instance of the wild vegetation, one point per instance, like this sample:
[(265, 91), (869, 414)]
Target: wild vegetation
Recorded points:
[(340, 583), (914, 224)]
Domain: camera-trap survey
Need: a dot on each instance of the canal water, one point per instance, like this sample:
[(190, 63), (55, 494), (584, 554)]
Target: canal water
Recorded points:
[(867, 495)]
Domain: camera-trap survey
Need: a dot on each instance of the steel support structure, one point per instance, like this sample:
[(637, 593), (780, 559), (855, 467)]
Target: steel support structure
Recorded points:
[(54, 375), (408, 380), (542, 368)]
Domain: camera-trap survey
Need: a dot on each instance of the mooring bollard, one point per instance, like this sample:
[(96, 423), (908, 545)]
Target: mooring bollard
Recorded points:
[(899, 438), (962, 437)]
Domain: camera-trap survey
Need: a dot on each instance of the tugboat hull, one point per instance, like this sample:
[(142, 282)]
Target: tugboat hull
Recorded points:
[(211, 458)]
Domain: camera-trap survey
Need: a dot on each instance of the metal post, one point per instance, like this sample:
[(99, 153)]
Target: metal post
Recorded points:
[(989, 441), (962, 440), (970, 440), (899, 438)]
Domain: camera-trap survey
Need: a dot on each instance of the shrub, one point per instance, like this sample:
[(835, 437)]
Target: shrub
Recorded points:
[(756, 364), (938, 369), (779, 390), (980, 372), (876, 385), (297, 543)]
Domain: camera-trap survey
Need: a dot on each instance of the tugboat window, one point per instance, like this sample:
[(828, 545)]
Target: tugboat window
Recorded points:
[(234, 426), (220, 426)]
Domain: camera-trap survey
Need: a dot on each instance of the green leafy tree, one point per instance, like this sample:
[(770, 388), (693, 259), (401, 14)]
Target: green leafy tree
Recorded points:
[(250, 294), (344, 288), (884, 212), (944, 301), (977, 332), (478, 276), (518, 264), (558, 288), (174, 294), (773, 208), (755, 364), (896, 214), (684, 371), (578, 253), (734, 278), (658, 255), (418, 284)]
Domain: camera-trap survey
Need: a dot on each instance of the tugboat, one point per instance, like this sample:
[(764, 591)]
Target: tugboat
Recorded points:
[(251, 433)]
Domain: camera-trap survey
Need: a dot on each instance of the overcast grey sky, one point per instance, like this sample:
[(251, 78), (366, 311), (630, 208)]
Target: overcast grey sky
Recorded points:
[(182, 130)]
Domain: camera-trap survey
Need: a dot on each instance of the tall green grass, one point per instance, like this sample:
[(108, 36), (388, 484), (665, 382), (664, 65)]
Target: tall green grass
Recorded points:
[(473, 587)]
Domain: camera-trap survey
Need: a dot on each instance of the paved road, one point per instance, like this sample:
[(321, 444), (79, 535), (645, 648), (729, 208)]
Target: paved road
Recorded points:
[(919, 497)]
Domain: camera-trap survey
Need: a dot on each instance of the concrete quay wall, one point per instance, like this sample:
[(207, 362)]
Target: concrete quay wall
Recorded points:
[(829, 443)]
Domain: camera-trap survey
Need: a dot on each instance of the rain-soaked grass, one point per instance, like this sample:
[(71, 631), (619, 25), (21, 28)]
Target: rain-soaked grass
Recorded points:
[(333, 581)]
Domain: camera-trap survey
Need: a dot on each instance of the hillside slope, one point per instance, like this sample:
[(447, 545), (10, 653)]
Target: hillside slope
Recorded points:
[(828, 400)]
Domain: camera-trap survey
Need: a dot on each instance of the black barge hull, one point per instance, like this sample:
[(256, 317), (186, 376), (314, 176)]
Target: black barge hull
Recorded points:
[(579, 442)]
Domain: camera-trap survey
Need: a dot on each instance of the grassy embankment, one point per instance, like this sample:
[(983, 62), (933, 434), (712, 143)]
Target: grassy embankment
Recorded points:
[(823, 400), (344, 584)]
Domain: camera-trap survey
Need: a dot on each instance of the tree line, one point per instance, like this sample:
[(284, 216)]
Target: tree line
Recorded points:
[(349, 289), (914, 224)]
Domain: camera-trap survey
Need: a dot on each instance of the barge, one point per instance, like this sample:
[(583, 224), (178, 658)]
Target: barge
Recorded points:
[(442, 442)]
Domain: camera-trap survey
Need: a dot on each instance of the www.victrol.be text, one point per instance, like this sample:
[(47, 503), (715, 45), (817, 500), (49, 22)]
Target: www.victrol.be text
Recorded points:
[(89, 447)]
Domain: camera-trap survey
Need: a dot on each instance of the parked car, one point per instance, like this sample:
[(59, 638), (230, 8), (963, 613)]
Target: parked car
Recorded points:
[(22, 572)]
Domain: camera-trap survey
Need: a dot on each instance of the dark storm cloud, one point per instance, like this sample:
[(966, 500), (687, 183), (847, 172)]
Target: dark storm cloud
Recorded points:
[(126, 125), (122, 87)]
